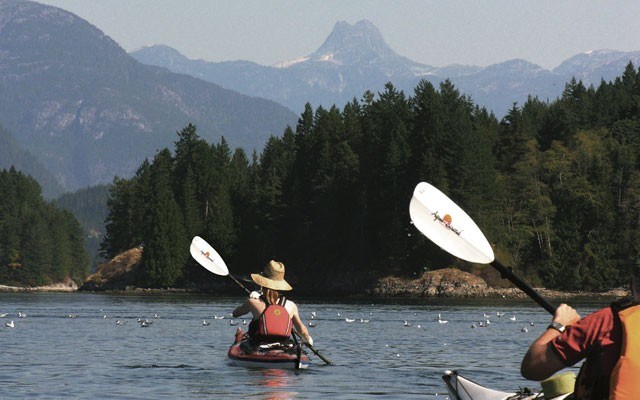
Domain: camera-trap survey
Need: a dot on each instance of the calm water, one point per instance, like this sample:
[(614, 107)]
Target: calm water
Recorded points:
[(52, 355)]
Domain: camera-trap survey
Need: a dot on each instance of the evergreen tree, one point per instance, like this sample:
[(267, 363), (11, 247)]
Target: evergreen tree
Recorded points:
[(165, 248)]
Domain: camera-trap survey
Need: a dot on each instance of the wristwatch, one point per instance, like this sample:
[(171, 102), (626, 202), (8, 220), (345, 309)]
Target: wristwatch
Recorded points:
[(557, 326)]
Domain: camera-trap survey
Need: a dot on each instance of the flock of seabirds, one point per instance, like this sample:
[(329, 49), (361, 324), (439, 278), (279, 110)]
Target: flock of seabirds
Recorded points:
[(144, 322)]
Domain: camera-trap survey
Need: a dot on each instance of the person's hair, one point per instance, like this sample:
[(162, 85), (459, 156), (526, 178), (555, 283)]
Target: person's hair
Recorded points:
[(271, 295)]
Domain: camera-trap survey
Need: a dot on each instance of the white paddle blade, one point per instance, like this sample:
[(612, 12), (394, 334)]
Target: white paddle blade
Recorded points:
[(447, 225), (208, 257)]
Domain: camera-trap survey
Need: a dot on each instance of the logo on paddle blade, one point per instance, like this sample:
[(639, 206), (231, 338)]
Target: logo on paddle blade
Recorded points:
[(207, 255), (446, 222)]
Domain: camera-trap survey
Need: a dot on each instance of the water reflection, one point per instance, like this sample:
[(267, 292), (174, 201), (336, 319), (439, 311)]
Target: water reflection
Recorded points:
[(276, 384)]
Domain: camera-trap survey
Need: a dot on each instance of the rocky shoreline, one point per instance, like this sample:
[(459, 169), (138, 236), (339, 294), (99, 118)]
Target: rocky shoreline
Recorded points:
[(116, 276), (442, 283), (454, 283), (67, 286)]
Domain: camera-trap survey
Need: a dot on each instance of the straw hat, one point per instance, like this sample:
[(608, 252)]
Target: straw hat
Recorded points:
[(272, 277)]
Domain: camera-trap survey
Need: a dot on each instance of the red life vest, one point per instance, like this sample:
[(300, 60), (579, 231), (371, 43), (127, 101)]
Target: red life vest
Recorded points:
[(274, 322), (624, 384)]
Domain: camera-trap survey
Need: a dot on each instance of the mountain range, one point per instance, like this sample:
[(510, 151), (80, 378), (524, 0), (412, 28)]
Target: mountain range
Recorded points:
[(356, 58), (77, 110), (87, 111)]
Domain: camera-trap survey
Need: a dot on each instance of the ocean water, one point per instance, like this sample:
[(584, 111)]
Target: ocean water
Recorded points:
[(70, 346)]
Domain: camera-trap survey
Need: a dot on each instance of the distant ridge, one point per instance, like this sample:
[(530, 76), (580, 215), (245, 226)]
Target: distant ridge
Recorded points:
[(88, 111), (356, 58)]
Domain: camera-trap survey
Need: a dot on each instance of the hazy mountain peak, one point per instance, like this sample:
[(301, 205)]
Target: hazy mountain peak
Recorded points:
[(154, 53), (353, 44), (597, 64), (516, 64)]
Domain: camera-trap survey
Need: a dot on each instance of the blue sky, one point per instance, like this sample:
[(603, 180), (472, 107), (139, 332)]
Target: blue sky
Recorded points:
[(437, 33)]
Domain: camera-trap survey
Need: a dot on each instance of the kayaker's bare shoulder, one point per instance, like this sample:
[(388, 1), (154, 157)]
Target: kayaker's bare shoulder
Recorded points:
[(254, 306)]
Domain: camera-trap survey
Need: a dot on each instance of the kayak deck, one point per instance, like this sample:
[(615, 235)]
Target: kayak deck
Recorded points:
[(461, 388)]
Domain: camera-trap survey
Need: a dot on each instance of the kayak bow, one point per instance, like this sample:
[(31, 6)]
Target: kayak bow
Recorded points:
[(461, 388)]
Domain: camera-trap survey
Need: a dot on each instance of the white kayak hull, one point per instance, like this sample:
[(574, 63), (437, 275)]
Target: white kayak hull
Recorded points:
[(461, 388)]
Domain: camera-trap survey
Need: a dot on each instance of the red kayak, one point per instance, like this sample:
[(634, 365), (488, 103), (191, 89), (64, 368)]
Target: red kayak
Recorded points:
[(273, 355)]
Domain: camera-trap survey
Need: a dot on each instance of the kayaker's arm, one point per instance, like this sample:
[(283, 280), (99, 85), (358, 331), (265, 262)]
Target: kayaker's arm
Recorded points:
[(299, 326), (249, 305), (541, 361)]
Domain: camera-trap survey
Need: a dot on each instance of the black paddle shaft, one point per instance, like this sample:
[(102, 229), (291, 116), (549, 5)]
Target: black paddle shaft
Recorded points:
[(239, 284), (506, 273)]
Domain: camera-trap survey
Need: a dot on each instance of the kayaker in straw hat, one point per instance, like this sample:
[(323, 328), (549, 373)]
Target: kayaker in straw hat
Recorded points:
[(609, 339), (272, 320)]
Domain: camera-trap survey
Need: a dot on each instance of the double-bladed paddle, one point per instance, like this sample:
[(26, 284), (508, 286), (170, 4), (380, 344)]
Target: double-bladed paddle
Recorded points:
[(448, 226), (209, 258)]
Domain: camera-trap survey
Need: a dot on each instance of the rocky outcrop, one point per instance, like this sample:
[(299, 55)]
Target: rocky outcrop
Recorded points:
[(447, 282), (115, 274), (451, 282)]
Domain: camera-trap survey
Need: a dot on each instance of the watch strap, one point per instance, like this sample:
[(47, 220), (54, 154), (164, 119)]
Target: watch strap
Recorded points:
[(557, 326)]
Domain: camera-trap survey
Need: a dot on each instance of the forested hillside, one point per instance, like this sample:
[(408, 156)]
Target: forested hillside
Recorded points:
[(555, 186), (11, 154), (89, 206), (39, 243)]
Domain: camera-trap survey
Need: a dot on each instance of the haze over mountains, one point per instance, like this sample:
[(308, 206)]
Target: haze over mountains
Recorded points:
[(355, 58), (75, 100), (77, 110)]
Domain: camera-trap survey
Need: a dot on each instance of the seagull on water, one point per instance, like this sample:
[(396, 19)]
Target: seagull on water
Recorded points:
[(233, 323), (218, 317), (499, 314), (3, 315), (22, 315), (313, 315), (312, 324), (524, 329), (144, 323), (205, 323), (350, 320), (406, 323), (441, 321), (513, 318), (10, 324), (120, 322)]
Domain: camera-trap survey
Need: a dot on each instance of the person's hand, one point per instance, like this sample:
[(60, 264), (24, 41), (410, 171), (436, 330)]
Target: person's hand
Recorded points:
[(254, 295), (566, 315), (309, 340)]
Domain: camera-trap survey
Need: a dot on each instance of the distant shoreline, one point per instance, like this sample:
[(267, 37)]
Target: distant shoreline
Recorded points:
[(488, 293), (49, 288)]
